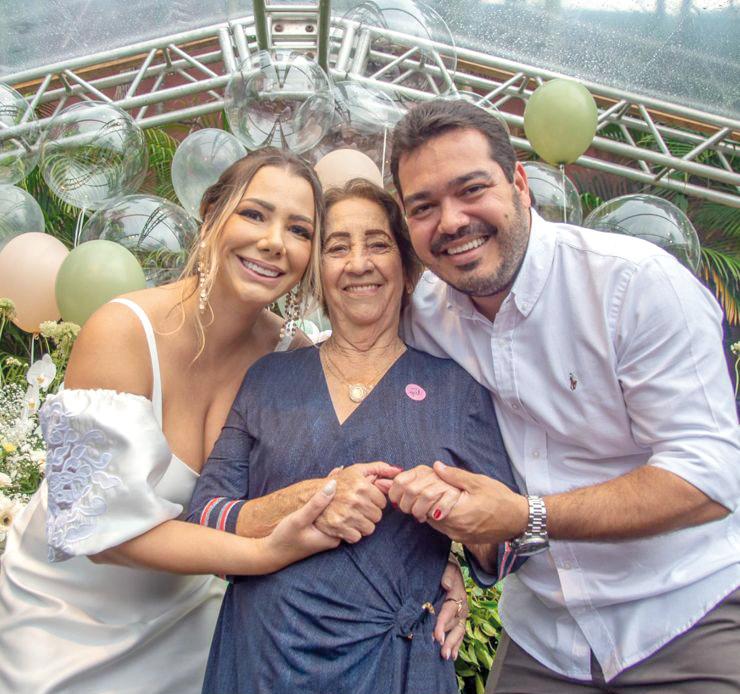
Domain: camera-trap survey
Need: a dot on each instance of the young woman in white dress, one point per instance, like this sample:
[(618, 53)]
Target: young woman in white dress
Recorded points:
[(149, 385)]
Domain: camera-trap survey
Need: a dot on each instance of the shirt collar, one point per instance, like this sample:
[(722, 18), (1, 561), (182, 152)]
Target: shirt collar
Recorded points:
[(536, 265), (532, 275)]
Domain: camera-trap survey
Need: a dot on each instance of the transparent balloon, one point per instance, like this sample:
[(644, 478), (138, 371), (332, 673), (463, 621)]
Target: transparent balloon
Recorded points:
[(653, 219), (94, 153), (19, 153), (481, 101), (364, 109), (283, 101), (19, 213), (425, 66), (556, 197), (159, 233), (363, 120), (199, 161)]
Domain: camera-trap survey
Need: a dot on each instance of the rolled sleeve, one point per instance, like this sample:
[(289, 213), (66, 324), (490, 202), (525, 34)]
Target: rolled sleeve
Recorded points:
[(674, 378), (223, 485)]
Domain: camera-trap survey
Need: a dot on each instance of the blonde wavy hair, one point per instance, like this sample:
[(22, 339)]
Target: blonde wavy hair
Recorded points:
[(220, 201)]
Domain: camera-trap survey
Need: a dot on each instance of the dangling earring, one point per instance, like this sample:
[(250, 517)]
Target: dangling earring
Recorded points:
[(292, 312), (202, 291)]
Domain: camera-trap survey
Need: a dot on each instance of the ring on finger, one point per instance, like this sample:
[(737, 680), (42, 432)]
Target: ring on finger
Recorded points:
[(458, 602)]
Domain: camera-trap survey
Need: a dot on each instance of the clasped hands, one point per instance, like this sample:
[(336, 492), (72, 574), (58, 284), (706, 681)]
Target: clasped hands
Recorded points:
[(468, 508), (362, 493)]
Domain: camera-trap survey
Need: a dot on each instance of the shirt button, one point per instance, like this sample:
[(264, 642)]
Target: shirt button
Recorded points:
[(566, 566), (515, 406), (535, 453)]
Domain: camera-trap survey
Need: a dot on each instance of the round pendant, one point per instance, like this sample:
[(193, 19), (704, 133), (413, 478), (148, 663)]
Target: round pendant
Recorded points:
[(357, 392)]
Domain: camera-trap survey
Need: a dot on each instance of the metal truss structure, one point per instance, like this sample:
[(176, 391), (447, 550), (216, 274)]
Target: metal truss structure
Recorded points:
[(183, 76)]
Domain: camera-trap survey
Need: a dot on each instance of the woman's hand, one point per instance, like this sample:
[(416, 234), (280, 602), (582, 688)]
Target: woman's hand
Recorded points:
[(296, 536), (421, 493), (358, 504), (449, 630)]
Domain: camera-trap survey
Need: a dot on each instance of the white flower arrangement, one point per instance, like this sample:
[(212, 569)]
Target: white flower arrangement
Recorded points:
[(22, 392)]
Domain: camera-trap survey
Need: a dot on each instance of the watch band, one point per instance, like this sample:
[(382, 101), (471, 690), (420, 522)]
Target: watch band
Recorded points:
[(534, 539), (537, 524)]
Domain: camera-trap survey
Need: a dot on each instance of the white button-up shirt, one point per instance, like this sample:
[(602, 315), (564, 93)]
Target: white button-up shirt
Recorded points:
[(605, 356)]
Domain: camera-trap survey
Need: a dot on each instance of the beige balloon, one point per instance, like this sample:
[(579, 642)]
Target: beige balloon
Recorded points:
[(29, 264), (342, 165)]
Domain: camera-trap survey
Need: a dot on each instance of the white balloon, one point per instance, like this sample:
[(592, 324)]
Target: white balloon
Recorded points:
[(342, 165), (199, 161)]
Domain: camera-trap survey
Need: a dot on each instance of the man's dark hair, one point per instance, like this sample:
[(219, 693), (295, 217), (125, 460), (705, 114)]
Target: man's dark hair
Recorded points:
[(439, 116)]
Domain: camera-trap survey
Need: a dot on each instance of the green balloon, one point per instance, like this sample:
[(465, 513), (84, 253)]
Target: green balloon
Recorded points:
[(92, 274), (560, 121)]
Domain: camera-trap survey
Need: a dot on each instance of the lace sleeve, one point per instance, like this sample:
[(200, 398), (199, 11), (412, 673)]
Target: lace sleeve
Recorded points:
[(106, 454)]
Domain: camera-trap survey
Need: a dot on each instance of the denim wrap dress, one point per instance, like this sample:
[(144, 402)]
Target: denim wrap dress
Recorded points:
[(351, 620)]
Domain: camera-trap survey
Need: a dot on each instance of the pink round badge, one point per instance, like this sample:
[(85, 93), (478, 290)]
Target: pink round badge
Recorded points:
[(415, 392)]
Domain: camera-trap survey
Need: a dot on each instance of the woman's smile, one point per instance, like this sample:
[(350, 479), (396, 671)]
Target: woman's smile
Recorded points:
[(363, 289), (261, 271)]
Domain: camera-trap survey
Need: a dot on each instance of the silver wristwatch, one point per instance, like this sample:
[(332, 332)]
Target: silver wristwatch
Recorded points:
[(534, 539)]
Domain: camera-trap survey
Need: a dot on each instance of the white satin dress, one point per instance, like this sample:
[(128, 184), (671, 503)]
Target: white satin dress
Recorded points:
[(68, 625)]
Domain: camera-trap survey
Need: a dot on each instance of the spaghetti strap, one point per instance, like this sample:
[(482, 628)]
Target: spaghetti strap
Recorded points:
[(149, 332)]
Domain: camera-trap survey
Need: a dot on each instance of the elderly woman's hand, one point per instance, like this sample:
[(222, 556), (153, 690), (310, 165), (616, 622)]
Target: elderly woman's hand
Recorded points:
[(358, 504), (449, 631)]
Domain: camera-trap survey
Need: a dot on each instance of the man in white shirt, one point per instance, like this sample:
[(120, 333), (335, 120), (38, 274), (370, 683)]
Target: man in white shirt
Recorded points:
[(603, 356)]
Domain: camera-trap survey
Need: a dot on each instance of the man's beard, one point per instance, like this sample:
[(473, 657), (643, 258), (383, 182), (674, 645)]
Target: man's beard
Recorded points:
[(512, 244)]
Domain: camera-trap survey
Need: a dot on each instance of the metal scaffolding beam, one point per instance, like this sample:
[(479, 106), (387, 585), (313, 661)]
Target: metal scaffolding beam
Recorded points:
[(183, 76)]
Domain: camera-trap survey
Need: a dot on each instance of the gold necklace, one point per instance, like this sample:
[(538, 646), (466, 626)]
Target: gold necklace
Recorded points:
[(356, 392)]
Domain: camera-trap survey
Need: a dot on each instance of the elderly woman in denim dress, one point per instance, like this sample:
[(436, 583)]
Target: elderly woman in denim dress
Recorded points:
[(357, 619)]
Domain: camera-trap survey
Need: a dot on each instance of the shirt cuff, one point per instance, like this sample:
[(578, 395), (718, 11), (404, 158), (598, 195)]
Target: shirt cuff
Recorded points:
[(506, 562), (221, 513)]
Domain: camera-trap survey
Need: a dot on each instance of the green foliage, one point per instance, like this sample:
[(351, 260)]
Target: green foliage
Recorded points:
[(481, 636), (161, 147)]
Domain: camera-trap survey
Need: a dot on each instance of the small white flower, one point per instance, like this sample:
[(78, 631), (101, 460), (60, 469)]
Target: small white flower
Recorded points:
[(9, 511), (5, 480), (39, 457), (30, 402), (42, 372)]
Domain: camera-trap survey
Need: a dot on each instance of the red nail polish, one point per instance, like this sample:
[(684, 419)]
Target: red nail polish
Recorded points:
[(437, 514)]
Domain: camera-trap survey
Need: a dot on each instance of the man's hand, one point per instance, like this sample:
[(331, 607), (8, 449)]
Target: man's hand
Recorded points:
[(449, 630), (487, 511), (358, 504), (421, 493)]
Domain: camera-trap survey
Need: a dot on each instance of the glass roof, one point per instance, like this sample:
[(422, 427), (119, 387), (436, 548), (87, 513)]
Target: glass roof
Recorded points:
[(683, 51)]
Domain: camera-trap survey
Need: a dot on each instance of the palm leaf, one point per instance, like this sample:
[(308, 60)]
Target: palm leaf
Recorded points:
[(720, 267), (716, 219), (161, 147)]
